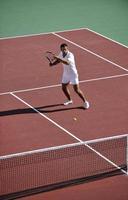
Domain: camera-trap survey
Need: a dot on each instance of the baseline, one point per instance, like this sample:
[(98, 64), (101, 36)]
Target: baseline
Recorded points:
[(62, 31)]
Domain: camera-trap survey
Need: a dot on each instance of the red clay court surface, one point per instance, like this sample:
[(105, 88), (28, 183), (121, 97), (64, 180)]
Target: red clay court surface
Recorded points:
[(27, 83)]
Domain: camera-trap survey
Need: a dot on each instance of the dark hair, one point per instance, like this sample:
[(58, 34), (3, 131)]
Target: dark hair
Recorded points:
[(63, 45)]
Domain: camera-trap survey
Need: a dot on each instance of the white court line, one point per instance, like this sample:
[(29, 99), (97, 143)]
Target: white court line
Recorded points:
[(70, 41), (69, 133), (52, 148), (68, 30), (91, 52), (39, 34), (53, 122), (106, 37), (58, 85)]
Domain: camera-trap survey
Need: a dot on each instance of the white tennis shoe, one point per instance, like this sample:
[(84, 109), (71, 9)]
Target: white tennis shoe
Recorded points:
[(86, 105), (68, 102)]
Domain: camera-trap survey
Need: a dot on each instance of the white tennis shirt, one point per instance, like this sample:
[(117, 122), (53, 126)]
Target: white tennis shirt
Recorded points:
[(70, 73), (71, 68)]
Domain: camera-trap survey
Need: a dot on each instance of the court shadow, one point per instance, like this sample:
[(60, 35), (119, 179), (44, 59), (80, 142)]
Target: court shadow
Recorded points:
[(42, 109), (64, 184)]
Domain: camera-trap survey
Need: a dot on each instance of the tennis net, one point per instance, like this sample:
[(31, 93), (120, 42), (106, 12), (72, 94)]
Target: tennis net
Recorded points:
[(41, 170)]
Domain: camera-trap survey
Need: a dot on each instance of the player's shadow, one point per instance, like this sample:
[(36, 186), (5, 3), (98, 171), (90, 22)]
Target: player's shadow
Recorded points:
[(41, 109), (53, 108)]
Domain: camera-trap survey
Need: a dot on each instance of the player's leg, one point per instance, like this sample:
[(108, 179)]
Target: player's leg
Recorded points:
[(65, 84), (81, 95), (67, 93), (74, 79), (66, 90), (79, 92)]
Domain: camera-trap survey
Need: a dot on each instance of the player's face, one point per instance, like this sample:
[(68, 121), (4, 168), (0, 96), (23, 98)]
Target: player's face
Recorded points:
[(64, 51)]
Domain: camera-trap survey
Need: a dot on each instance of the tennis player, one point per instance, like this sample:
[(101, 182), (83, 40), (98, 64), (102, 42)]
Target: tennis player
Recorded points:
[(70, 74)]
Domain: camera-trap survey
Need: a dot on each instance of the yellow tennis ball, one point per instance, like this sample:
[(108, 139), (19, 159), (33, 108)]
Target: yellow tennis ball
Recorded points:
[(75, 119)]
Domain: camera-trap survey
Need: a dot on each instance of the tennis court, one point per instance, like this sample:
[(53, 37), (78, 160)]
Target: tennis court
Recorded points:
[(51, 151), (35, 118)]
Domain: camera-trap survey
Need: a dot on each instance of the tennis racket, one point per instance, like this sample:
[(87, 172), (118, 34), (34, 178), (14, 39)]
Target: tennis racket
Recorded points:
[(50, 56)]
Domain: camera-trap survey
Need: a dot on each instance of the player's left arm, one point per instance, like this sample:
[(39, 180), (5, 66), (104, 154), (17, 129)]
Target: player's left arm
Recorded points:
[(61, 60)]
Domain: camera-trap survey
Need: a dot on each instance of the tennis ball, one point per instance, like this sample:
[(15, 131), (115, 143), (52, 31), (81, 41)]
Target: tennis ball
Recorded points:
[(75, 119)]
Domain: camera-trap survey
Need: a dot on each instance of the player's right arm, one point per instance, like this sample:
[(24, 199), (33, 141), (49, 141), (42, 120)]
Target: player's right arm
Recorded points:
[(57, 60), (54, 63)]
